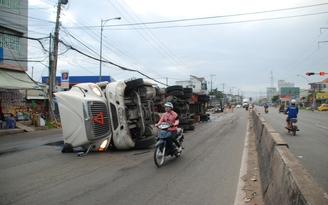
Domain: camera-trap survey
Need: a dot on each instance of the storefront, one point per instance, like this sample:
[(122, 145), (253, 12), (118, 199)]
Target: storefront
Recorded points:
[(13, 86)]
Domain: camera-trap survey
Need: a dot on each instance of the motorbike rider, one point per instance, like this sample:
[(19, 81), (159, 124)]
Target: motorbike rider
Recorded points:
[(172, 118), (292, 111), (265, 106)]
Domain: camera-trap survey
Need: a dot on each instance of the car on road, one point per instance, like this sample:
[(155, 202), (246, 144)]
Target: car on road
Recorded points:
[(323, 107), (238, 106)]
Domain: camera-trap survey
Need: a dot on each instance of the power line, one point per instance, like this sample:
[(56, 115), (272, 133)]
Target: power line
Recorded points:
[(225, 23), (214, 17), (109, 62)]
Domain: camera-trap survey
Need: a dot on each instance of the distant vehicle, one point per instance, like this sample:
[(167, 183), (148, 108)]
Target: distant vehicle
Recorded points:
[(238, 106), (323, 107), (245, 102)]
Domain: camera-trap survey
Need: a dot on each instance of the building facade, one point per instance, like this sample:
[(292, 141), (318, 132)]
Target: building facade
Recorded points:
[(14, 80), (13, 33), (199, 85)]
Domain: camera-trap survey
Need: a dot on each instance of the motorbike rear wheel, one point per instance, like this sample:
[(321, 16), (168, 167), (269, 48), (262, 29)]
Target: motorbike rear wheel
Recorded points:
[(159, 156), (294, 130)]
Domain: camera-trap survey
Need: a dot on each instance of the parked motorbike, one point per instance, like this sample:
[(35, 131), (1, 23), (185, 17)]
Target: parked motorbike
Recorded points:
[(161, 149), (281, 110), (292, 127), (216, 110)]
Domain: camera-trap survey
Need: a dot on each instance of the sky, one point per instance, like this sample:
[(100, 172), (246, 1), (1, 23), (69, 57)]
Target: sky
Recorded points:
[(242, 47)]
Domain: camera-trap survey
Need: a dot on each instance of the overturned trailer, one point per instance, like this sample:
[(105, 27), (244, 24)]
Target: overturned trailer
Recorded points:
[(191, 107)]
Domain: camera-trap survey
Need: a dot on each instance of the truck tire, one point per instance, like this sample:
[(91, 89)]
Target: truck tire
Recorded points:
[(144, 143), (187, 90), (134, 83), (183, 121), (204, 118), (203, 98), (184, 127), (191, 127), (176, 93), (187, 96), (174, 88), (191, 121), (67, 148)]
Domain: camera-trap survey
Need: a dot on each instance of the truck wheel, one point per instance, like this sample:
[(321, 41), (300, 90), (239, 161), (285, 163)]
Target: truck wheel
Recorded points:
[(187, 96), (191, 127), (67, 148), (191, 121), (203, 98), (204, 118), (144, 143), (176, 93), (183, 121), (134, 83), (184, 127), (187, 90), (174, 88)]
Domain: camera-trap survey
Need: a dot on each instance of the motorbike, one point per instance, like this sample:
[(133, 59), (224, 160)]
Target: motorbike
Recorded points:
[(161, 149), (216, 110), (266, 110), (292, 126), (281, 110)]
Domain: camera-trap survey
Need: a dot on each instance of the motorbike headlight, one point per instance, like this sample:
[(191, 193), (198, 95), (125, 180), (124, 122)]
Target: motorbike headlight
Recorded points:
[(103, 145), (95, 89)]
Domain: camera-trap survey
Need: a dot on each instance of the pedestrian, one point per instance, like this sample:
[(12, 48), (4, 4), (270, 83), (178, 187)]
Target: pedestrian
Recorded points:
[(35, 120), (11, 122), (232, 107), (225, 108), (250, 107)]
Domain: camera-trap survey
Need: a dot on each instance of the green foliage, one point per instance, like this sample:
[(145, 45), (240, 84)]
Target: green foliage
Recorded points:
[(274, 98), (217, 93)]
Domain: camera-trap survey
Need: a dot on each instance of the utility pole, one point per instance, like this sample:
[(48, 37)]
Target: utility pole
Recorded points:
[(51, 80), (53, 61), (211, 84)]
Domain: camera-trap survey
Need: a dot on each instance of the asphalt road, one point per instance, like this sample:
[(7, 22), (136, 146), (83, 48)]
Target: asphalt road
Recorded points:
[(206, 173), (310, 145)]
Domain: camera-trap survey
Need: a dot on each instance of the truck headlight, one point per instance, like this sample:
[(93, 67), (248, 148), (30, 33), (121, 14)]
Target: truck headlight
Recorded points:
[(103, 145), (95, 89)]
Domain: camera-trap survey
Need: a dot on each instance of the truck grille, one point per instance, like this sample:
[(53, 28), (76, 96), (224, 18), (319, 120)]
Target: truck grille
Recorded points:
[(99, 127)]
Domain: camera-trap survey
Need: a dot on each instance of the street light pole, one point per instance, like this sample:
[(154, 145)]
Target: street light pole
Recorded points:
[(103, 22), (313, 94)]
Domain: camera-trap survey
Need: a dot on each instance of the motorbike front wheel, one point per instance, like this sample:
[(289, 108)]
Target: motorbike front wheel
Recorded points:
[(159, 156)]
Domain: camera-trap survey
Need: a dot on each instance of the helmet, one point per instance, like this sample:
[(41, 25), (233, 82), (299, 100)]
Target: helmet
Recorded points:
[(168, 104), (293, 101)]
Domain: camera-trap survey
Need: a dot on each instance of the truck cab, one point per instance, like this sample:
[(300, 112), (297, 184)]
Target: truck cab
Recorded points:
[(117, 114)]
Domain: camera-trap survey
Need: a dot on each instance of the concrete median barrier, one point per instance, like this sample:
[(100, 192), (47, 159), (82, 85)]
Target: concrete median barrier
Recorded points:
[(284, 180)]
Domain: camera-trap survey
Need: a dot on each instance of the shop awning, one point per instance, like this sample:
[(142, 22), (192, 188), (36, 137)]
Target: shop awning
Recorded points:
[(10, 79)]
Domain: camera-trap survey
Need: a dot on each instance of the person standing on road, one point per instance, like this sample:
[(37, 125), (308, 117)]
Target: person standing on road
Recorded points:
[(225, 108), (250, 107), (292, 111), (35, 121), (172, 118), (232, 107)]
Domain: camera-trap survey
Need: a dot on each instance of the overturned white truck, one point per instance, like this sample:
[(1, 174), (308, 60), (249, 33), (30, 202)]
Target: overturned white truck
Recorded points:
[(118, 114)]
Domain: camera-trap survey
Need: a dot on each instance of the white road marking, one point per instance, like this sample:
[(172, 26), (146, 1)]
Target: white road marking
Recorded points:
[(321, 126), (240, 194)]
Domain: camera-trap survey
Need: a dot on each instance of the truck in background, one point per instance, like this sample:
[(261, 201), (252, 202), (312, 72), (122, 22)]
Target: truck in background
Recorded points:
[(245, 102)]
